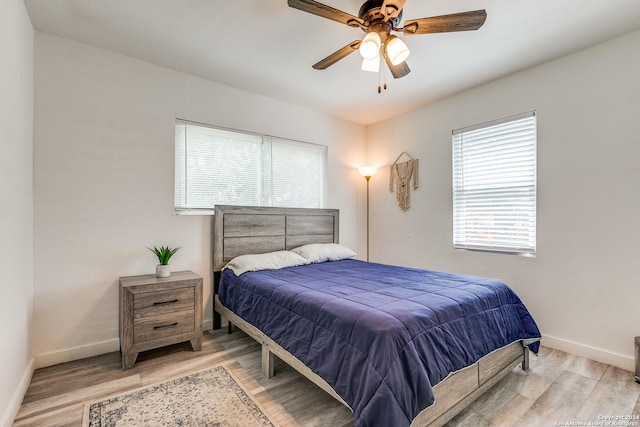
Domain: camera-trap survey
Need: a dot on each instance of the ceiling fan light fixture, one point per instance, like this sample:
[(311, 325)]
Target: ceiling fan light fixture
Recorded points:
[(397, 50), (371, 65), (370, 46)]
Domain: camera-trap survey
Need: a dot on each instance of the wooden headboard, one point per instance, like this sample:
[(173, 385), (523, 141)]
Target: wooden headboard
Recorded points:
[(241, 230)]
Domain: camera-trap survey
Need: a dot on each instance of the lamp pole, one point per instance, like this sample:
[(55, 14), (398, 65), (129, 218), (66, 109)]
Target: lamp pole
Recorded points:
[(367, 172), (367, 178)]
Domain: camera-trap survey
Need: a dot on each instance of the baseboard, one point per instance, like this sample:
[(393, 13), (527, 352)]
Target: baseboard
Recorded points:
[(207, 324), (76, 353), (89, 350), (14, 406), (597, 354)]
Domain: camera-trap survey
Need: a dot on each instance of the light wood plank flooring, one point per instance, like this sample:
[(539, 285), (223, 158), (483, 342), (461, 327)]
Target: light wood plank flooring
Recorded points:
[(558, 388)]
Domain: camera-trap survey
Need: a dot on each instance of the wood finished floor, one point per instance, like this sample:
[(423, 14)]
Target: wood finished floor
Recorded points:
[(557, 388)]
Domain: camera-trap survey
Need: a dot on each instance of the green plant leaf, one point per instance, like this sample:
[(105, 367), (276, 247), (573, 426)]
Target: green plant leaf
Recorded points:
[(164, 253)]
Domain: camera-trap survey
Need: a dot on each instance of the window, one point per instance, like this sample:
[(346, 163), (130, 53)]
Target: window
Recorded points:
[(494, 186), (222, 166)]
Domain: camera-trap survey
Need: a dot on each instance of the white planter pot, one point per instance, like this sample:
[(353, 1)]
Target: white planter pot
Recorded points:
[(163, 270)]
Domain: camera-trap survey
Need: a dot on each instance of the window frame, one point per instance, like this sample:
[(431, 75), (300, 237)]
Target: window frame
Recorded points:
[(264, 191), (486, 191)]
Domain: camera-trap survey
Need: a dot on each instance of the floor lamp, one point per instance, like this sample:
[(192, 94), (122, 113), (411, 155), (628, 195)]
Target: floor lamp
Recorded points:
[(367, 172)]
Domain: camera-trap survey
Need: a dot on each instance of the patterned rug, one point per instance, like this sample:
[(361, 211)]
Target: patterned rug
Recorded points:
[(211, 398)]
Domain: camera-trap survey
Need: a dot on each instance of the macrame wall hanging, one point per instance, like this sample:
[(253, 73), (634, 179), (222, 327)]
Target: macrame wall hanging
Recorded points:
[(402, 175)]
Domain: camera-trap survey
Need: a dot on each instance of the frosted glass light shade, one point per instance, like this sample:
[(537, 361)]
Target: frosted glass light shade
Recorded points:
[(367, 170), (370, 45), (397, 51), (371, 65)]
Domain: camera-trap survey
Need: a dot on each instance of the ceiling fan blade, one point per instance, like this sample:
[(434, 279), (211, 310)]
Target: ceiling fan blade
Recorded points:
[(392, 8), (464, 21), (325, 11), (337, 55), (397, 71)]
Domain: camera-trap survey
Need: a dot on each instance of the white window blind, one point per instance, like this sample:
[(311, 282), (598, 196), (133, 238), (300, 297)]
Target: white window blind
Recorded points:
[(222, 166), (296, 170), (494, 186)]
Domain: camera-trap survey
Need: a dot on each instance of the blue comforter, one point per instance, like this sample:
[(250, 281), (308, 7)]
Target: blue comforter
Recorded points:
[(380, 335)]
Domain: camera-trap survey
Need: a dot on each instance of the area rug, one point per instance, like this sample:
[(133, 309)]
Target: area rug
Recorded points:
[(211, 398)]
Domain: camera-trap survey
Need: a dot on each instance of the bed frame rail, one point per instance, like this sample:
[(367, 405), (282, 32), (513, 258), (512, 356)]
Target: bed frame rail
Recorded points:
[(270, 349)]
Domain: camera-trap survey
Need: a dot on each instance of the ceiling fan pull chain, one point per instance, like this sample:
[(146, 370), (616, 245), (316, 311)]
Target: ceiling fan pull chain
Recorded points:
[(379, 90), (385, 78), (381, 84)]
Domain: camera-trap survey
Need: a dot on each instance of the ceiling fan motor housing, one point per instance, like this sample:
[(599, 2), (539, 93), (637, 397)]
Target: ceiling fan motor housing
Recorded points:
[(371, 13)]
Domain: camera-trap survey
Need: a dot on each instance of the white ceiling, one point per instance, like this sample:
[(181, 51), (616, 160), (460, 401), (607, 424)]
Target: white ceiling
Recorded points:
[(265, 47)]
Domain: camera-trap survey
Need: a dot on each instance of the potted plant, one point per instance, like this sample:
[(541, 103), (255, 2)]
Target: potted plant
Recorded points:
[(164, 253)]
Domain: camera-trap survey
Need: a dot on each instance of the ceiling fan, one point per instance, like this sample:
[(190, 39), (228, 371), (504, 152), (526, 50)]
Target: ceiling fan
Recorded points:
[(378, 18)]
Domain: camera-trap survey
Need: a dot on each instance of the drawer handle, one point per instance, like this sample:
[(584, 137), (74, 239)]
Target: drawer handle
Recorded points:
[(166, 326), (165, 302)]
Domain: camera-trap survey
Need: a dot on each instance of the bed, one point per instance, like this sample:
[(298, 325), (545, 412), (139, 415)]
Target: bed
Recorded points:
[(316, 318)]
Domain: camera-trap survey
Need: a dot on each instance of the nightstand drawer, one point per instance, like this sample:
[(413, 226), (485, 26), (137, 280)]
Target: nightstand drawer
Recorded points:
[(159, 302), (163, 325)]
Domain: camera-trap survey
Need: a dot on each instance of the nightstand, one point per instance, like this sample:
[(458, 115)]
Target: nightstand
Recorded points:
[(155, 312)]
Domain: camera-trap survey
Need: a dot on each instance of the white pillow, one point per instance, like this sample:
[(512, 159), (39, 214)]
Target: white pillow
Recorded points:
[(321, 252), (267, 261)]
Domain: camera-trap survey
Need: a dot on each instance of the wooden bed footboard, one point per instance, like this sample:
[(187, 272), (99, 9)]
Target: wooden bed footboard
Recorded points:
[(459, 389)]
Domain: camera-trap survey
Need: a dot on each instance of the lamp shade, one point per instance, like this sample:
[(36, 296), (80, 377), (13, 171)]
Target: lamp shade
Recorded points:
[(367, 171), (370, 46), (371, 65), (397, 51)]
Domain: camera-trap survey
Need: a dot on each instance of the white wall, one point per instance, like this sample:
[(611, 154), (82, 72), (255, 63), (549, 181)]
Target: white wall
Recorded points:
[(16, 205), (104, 150), (582, 287)]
